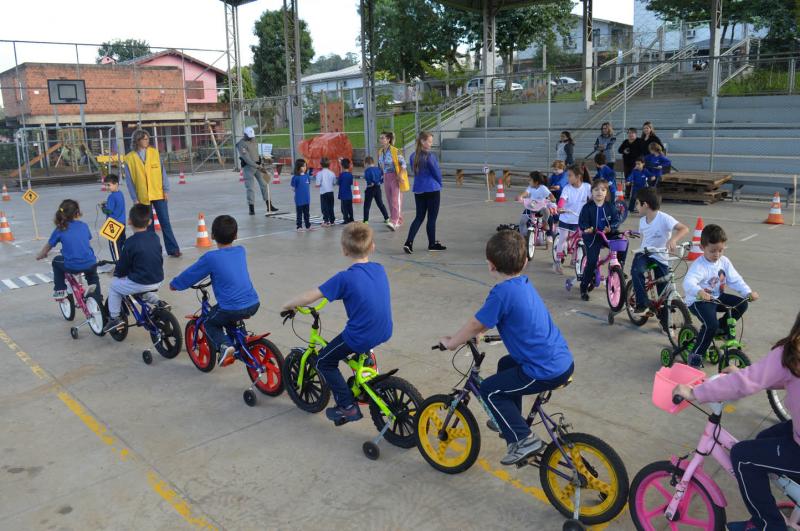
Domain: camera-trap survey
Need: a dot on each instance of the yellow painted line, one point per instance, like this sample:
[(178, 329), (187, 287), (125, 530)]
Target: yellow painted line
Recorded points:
[(157, 483)]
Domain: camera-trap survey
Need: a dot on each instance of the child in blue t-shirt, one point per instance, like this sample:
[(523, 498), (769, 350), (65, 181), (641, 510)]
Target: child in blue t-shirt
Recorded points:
[(230, 280), (639, 179), (114, 207), (364, 289), (558, 179), (301, 184), (539, 358), (76, 255), (345, 182), (605, 172), (373, 176), (656, 162)]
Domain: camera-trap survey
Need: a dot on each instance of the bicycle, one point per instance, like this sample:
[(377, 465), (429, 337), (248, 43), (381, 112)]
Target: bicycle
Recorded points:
[(159, 322), (663, 492), (667, 304), (449, 439), (87, 300), (393, 402), (536, 234), (615, 277), (263, 360), (575, 250)]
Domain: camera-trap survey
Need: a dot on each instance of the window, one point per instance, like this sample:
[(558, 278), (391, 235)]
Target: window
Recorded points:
[(195, 90), (568, 42), (690, 34)]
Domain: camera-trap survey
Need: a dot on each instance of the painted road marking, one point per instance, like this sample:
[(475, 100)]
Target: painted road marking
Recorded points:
[(27, 281), (44, 278), (160, 485), (24, 281), (748, 237), (9, 284), (773, 227)]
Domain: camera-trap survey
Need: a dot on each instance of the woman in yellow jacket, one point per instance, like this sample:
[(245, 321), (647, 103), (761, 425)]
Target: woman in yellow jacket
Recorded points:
[(148, 184), (393, 166)]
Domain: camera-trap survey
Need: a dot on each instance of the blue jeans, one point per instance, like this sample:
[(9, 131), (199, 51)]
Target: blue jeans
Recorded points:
[(59, 276), (503, 393), (707, 313), (170, 243), (218, 319), (328, 368), (640, 263)]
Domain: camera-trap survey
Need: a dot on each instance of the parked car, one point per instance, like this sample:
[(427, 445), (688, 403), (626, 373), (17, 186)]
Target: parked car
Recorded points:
[(359, 104), (564, 80), (475, 85)]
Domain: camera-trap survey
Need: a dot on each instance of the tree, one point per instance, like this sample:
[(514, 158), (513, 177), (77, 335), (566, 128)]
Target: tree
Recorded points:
[(248, 86), (269, 59), (331, 62), (404, 32), (122, 50)]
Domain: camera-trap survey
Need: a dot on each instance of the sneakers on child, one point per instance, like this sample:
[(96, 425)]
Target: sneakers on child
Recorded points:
[(742, 526), (695, 360), (113, 324), (523, 449), (347, 414), (60, 294), (492, 425), (226, 355), (437, 247), (408, 248), (557, 268), (584, 296), (301, 229)]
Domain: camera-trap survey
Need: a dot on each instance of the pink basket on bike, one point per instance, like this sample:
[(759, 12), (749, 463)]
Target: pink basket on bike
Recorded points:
[(665, 381), (618, 246)]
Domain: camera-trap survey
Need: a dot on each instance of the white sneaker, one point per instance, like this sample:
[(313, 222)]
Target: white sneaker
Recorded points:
[(557, 269), (392, 226)]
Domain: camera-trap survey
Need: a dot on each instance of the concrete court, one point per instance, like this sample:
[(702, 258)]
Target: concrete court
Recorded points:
[(94, 439)]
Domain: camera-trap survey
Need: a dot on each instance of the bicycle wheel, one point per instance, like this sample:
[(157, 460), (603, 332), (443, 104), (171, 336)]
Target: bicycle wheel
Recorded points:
[(606, 491), (404, 402), (636, 318), (67, 307), (269, 382), (167, 340), (97, 316), (120, 332), (622, 211), (677, 318), (580, 256), (201, 354), (686, 336), (615, 289), (554, 251), (651, 492), (734, 357), (776, 399), (314, 394), (530, 243), (458, 448)]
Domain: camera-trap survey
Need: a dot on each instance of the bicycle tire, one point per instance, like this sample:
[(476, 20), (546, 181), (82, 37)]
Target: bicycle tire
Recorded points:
[(530, 244), (673, 327), (580, 255), (686, 335), (97, 311), (404, 401), (67, 307), (638, 319), (554, 250), (615, 289), (271, 358), (120, 332), (775, 398), (170, 342), (315, 393), (664, 470), (460, 451), (200, 352), (614, 479), (734, 355)]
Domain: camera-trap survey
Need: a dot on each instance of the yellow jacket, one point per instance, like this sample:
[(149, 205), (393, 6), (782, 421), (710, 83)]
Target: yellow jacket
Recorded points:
[(146, 177)]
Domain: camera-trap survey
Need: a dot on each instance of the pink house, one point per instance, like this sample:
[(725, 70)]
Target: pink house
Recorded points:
[(201, 78)]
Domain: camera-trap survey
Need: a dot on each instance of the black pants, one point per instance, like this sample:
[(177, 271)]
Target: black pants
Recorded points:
[(302, 215), (707, 313), (593, 246), (374, 192), (347, 210), (219, 319), (326, 203), (427, 204), (60, 281)]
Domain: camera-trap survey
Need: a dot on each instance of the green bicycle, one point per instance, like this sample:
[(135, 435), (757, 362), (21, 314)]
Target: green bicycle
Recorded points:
[(393, 402)]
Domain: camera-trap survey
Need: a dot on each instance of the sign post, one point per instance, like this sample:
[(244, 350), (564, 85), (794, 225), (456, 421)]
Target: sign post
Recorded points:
[(111, 231), (488, 188), (31, 197)]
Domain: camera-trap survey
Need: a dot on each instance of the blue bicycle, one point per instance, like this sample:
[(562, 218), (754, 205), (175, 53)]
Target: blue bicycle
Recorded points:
[(262, 359)]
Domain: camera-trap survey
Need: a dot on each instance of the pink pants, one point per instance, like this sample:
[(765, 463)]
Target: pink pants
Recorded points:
[(394, 197)]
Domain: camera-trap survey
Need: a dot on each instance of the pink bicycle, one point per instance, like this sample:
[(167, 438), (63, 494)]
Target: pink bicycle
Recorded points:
[(536, 234), (615, 277), (679, 494), (85, 299), (575, 250)]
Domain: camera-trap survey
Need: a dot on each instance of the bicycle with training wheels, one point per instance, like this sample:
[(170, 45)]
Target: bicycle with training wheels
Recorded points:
[(666, 302), (262, 360), (621, 205), (536, 233), (582, 476), (158, 321), (575, 249), (393, 402), (679, 493), (614, 277), (87, 300)]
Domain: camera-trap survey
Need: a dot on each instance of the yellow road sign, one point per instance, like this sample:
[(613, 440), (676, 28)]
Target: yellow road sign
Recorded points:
[(112, 229), (30, 197)]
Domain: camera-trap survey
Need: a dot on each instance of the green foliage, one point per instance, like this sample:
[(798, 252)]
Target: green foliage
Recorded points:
[(331, 62), (404, 35), (761, 81), (122, 50), (517, 29), (248, 86), (269, 60)]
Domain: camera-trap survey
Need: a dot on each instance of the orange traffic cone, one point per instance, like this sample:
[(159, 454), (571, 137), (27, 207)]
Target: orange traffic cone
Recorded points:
[(6, 197), (156, 224), (241, 176), (203, 240), (695, 252), (500, 197), (356, 192), (775, 216), (620, 193), (5, 230), (276, 177), (182, 178)]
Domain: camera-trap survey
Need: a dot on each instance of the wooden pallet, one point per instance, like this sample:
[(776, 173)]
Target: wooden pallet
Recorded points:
[(706, 198), (705, 179)]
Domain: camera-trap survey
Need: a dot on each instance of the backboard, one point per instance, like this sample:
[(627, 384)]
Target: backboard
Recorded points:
[(66, 91)]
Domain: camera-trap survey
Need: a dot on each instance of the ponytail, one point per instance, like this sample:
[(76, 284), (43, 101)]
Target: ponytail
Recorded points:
[(791, 348), (67, 211), (420, 153)]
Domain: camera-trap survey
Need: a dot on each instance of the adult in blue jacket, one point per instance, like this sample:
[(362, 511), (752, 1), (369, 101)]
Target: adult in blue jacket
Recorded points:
[(427, 192)]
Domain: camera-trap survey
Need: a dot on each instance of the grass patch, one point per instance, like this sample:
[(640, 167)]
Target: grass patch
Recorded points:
[(760, 81)]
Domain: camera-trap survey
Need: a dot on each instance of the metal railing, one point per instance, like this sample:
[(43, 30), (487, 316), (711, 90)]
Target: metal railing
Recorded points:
[(432, 121), (735, 60)]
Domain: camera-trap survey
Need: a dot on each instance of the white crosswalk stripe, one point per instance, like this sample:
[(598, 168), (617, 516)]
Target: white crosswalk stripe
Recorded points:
[(24, 281), (9, 283), (27, 281)]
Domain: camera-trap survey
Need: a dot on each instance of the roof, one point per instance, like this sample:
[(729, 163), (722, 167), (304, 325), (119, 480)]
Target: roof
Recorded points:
[(344, 73), (171, 51)]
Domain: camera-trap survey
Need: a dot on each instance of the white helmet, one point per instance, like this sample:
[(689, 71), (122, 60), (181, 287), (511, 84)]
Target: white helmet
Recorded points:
[(249, 132)]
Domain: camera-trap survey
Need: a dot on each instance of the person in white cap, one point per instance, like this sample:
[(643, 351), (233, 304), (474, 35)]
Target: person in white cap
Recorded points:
[(253, 166)]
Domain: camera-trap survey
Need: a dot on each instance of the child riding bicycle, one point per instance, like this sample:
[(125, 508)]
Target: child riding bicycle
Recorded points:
[(598, 215), (364, 289), (539, 358), (573, 197), (538, 194), (775, 450), (705, 284)]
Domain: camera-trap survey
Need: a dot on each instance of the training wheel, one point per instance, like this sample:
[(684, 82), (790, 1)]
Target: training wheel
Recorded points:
[(371, 450), (147, 357), (74, 332), (572, 525), (568, 284), (249, 397), (611, 318), (666, 357)]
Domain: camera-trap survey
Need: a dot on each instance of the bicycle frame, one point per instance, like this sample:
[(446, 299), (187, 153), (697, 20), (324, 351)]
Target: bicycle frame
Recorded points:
[(143, 315), (75, 286)]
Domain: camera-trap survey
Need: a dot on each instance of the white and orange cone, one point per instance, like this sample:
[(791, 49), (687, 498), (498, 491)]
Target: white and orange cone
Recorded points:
[(500, 197), (775, 216), (620, 193), (696, 252), (182, 178), (156, 224), (241, 176), (203, 241), (356, 192), (276, 177), (103, 183), (5, 230), (6, 197)]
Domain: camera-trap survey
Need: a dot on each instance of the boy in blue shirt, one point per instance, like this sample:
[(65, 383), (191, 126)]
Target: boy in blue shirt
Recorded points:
[(539, 358), (345, 182), (139, 268), (374, 179), (604, 172), (301, 184), (639, 179), (364, 289), (656, 162), (114, 207), (230, 280)]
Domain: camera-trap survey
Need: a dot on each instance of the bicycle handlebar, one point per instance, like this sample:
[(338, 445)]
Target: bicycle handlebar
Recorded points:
[(305, 310), (489, 339), (202, 285), (106, 262), (677, 399)]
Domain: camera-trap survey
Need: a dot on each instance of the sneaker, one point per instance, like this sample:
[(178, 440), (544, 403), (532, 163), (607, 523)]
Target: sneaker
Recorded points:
[(640, 308), (549, 241), (301, 229), (112, 324), (522, 450), (272, 208), (347, 414), (557, 268), (742, 526), (392, 226), (492, 425), (60, 294), (695, 360), (226, 355), (408, 248), (437, 247), (252, 210), (163, 305), (176, 254), (584, 296), (365, 222)]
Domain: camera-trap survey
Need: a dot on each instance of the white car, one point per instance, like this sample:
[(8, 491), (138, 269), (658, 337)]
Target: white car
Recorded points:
[(475, 85), (564, 80), (359, 104)]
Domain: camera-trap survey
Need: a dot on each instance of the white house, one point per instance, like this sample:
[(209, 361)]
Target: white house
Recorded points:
[(347, 81)]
